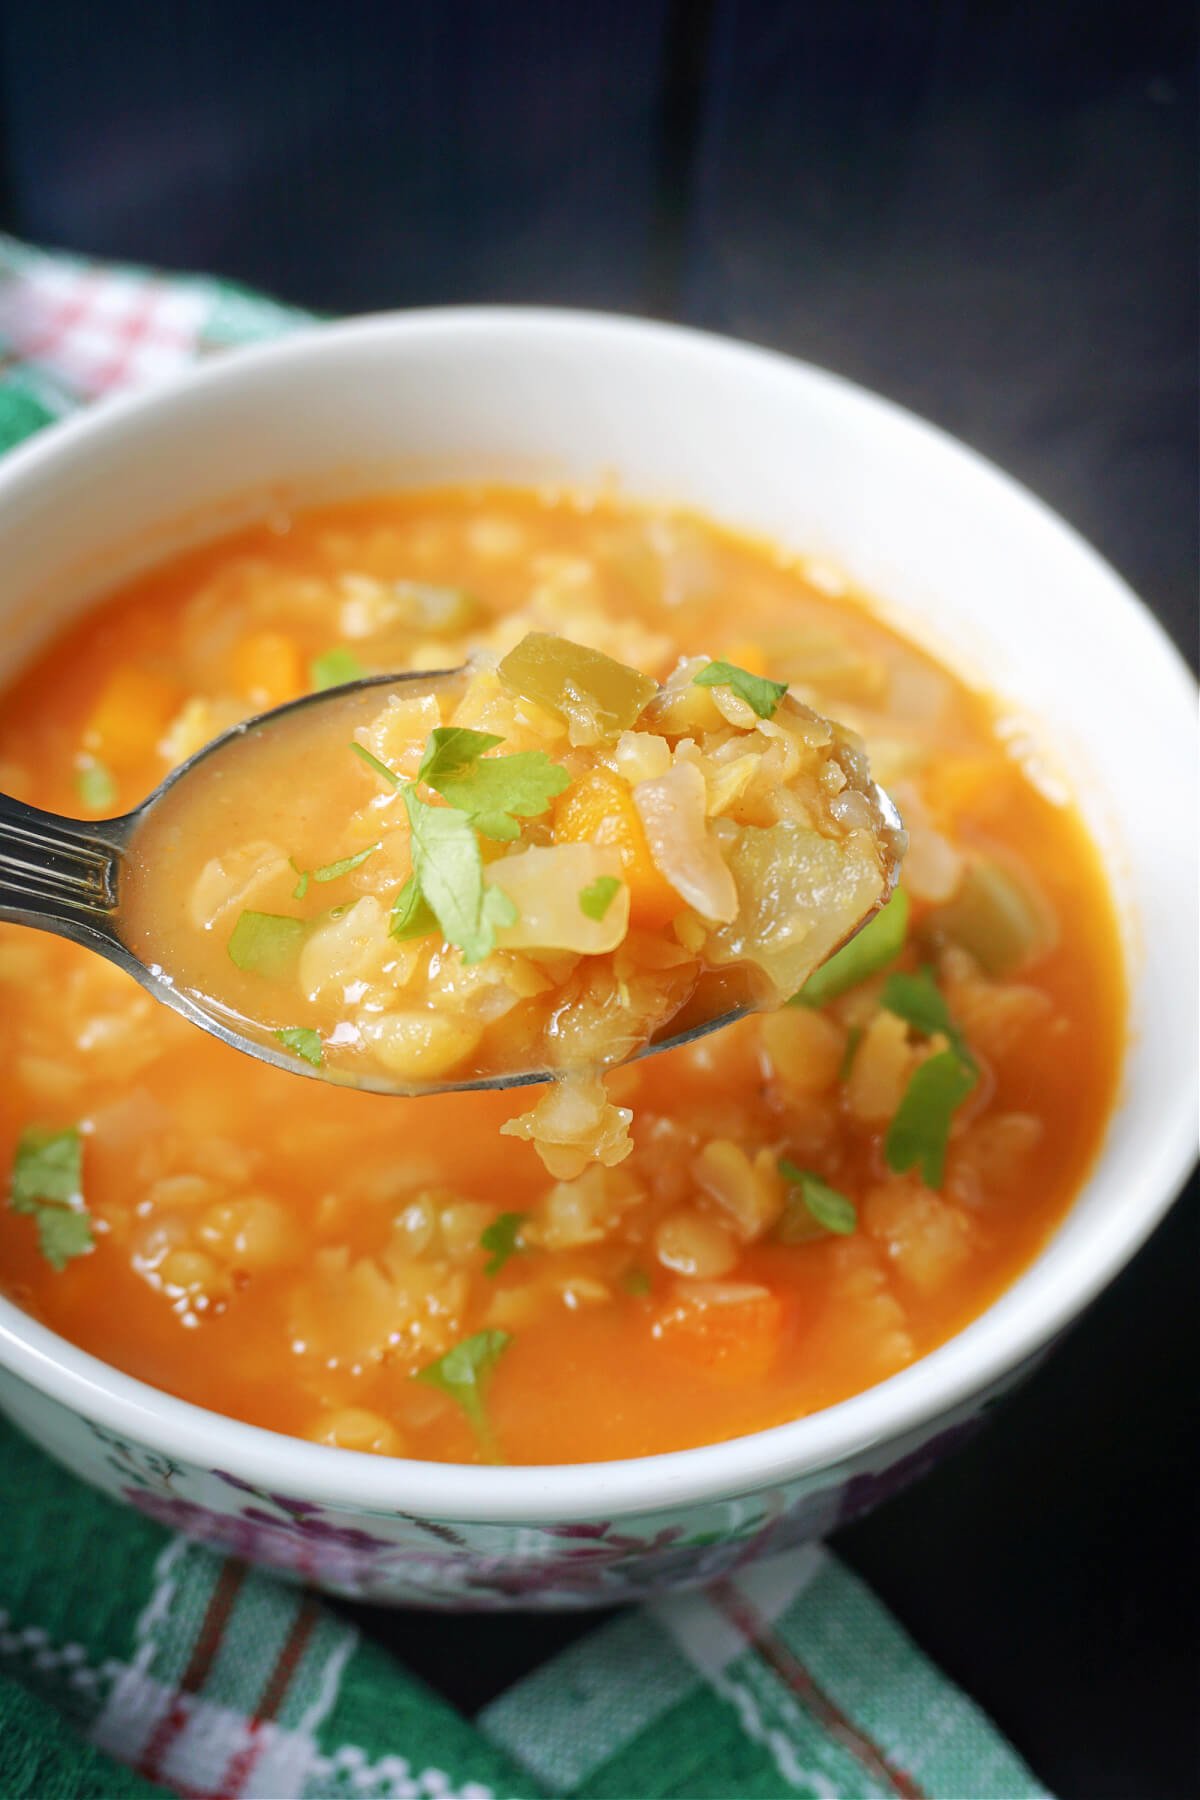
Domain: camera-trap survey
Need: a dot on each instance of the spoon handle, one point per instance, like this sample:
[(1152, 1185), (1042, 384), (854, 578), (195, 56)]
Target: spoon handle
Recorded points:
[(59, 874)]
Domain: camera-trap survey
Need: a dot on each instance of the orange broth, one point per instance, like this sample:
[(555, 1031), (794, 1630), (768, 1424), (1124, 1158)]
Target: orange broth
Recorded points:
[(294, 1255)]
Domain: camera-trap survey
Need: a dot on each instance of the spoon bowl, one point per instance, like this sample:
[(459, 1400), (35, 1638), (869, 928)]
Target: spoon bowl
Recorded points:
[(65, 876)]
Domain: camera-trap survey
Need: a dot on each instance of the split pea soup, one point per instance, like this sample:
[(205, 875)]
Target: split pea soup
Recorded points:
[(791, 1210)]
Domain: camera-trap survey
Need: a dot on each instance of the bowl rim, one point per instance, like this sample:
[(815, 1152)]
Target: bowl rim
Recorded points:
[(1008, 1335)]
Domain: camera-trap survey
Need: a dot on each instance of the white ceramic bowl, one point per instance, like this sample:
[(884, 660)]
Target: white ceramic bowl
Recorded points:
[(965, 559)]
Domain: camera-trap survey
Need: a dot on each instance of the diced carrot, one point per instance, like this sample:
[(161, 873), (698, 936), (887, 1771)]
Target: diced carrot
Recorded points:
[(732, 1341), (953, 785), (267, 668), (746, 654), (599, 809), (131, 714)]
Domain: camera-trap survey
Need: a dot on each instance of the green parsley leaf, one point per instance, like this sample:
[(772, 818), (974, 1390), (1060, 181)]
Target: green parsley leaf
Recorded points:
[(96, 786), (869, 950), (305, 1042), (328, 871), (920, 1130), (825, 1205), (48, 1166), (495, 791), (503, 1238), (266, 943), (763, 695), (499, 907), (448, 869), (917, 1000), (334, 668), (380, 768), (63, 1234), (595, 900), (636, 1282), (451, 750), (47, 1185), (331, 871), (412, 916), (464, 1373)]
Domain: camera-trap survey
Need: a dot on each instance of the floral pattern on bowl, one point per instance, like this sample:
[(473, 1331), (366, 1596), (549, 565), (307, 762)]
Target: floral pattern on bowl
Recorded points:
[(400, 1558)]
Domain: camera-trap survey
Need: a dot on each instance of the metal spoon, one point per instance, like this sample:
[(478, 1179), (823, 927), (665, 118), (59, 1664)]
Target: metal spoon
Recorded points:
[(64, 876)]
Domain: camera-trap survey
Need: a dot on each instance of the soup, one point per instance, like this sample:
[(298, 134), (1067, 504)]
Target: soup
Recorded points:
[(814, 1198), (540, 864)]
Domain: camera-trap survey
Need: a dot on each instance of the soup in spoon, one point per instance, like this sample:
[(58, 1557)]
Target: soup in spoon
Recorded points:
[(543, 863)]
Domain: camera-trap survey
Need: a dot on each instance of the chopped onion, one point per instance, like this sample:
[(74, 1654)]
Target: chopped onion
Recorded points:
[(545, 884), (1003, 922), (672, 810), (234, 880)]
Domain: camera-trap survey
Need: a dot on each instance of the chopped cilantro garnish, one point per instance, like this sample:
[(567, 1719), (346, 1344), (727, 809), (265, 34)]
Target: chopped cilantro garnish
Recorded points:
[(96, 786), (447, 875), (871, 949), (305, 1042), (916, 1000), (331, 871), (448, 869), (759, 693), (447, 866), (500, 907), (813, 1199), (503, 1238), (920, 1130), (494, 791), (334, 668), (595, 900), (63, 1234), (636, 1282), (374, 763), (451, 751), (47, 1184), (412, 916), (48, 1166), (464, 1373), (266, 943)]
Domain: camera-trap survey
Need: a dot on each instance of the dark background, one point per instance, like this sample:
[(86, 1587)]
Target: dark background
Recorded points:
[(986, 212)]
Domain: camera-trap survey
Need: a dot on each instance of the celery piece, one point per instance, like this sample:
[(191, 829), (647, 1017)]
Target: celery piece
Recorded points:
[(871, 949), (995, 917), (576, 683)]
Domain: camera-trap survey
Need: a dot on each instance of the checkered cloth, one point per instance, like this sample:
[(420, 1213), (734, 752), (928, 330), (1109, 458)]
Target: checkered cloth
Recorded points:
[(132, 1660)]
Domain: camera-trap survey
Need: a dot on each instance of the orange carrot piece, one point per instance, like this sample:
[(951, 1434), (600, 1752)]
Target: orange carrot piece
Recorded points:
[(599, 809), (133, 710), (734, 1342), (954, 785), (266, 667)]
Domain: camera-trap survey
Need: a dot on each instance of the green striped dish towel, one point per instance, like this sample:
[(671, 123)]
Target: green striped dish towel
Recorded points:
[(210, 1679), (133, 1661)]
